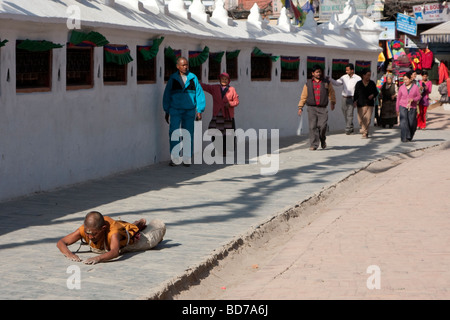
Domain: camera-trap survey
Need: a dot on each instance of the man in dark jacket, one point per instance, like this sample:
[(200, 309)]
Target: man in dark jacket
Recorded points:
[(364, 99), (316, 94)]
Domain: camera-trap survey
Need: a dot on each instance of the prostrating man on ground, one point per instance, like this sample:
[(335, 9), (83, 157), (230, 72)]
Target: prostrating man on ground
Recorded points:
[(111, 237)]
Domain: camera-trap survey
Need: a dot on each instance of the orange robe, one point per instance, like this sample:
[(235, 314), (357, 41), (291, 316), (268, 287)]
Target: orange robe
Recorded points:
[(128, 234)]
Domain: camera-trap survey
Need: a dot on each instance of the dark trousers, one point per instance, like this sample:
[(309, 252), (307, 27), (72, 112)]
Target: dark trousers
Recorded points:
[(408, 123), (317, 120), (183, 118), (227, 139)]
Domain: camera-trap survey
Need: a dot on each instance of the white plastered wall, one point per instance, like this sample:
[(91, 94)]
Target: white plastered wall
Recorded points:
[(60, 138)]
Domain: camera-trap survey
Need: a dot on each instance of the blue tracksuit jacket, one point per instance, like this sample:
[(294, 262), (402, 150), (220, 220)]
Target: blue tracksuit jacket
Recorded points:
[(188, 97)]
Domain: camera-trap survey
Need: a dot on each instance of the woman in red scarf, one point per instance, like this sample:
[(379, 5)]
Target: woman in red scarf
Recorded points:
[(425, 86)]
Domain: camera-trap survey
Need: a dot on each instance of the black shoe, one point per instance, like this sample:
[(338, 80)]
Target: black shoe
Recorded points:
[(172, 164)]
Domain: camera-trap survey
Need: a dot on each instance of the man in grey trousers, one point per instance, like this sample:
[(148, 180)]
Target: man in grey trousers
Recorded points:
[(348, 81), (316, 94)]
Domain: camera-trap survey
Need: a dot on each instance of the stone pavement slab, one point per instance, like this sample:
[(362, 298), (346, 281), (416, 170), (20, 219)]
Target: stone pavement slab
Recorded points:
[(205, 208), (394, 223)]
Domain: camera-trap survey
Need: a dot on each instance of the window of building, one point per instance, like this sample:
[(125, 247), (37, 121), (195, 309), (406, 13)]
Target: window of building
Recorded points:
[(197, 70), (114, 73), (196, 60), (338, 68), (232, 64), (311, 62), (289, 68), (34, 65), (79, 68), (261, 65), (80, 58), (214, 63), (360, 65), (33, 71), (261, 68), (170, 62), (146, 61), (115, 64), (146, 68)]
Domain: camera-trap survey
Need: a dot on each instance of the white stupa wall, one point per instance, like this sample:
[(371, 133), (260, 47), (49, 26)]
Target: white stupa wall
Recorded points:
[(59, 138)]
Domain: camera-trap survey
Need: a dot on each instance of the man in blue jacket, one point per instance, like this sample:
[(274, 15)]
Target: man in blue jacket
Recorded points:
[(183, 103)]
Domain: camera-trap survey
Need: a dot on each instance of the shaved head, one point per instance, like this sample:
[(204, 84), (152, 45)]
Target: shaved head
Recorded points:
[(94, 220)]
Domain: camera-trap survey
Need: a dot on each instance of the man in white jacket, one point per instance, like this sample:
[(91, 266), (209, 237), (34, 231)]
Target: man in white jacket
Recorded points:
[(348, 81)]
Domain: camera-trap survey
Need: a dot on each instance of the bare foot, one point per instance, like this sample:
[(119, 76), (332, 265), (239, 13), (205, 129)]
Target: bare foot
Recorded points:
[(141, 224)]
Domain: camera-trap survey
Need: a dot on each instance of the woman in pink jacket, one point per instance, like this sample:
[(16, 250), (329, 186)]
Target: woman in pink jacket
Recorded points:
[(225, 99), (407, 98)]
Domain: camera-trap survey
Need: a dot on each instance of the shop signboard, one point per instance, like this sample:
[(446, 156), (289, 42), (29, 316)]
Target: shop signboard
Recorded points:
[(406, 24), (388, 32), (431, 13), (329, 7)]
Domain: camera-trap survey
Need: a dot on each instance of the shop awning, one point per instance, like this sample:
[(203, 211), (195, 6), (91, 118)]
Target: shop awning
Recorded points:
[(438, 34), (197, 58), (119, 54), (38, 46), (149, 52), (258, 53), (91, 39)]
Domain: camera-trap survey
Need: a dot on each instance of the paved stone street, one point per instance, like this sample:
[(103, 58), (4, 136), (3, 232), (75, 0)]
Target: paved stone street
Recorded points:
[(206, 207), (385, 239)]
